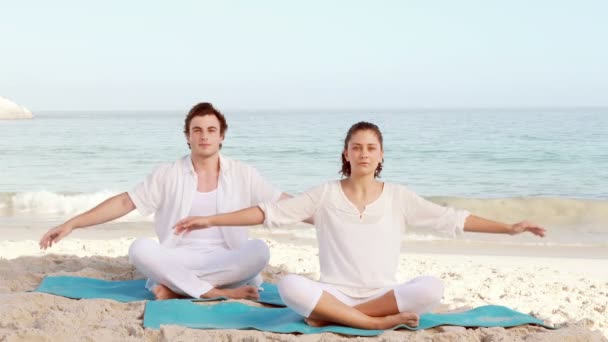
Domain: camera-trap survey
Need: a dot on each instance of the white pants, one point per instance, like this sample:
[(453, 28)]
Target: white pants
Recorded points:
[(418, 295), (190, 271)]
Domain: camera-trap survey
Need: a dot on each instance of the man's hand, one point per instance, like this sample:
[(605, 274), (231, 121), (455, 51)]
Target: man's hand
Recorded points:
[(191, 223), (54, 235), (526, 226)]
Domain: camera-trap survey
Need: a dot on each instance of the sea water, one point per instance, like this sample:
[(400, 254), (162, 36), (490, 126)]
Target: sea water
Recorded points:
[(547, 165)]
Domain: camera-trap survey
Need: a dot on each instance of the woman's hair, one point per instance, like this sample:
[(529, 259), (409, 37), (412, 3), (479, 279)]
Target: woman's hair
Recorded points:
[(360, 126), (202, 109)]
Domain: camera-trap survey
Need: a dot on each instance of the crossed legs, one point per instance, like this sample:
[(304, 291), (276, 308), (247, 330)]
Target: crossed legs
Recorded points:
[(322, 304), (182, 271)]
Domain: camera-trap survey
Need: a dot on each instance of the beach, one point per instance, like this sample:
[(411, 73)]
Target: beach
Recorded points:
[(570, 293), (494, 108), (532, 168)]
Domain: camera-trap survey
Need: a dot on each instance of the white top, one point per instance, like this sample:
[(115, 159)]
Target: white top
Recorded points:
[(360, 253), (169, 191), (204, 204)]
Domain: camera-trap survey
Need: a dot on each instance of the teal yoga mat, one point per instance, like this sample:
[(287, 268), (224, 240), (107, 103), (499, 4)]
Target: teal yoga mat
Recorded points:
[(124, 290), (233, 315)]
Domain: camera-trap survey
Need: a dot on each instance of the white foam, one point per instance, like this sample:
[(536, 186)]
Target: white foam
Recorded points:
[(50, 204), (564, 212), (559, 215)]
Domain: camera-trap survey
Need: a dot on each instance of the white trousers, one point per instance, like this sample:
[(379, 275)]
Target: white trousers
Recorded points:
[(190, 271), (418, 295)]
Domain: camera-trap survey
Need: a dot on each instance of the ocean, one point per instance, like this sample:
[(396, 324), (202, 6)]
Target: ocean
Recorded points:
[(550, 166)]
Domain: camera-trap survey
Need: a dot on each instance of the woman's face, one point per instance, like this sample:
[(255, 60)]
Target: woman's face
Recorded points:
[(364, 153)]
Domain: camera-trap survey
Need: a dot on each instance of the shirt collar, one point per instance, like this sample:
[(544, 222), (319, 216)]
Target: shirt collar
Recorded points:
[(189, 168)]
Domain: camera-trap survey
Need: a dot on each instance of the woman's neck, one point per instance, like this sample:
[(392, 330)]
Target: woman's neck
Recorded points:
[(361, 184)]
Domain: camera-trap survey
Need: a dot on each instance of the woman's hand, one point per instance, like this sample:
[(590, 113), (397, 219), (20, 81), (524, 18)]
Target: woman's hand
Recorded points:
[(54, 235), (191, 223), (526, 226)]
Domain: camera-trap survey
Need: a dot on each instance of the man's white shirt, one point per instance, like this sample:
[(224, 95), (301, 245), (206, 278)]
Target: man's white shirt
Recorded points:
[(169, 191)]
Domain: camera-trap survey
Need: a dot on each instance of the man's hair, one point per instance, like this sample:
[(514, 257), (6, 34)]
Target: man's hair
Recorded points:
[(202, 109)]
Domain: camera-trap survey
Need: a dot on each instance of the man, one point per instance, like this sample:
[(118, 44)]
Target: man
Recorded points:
[(205, 264)]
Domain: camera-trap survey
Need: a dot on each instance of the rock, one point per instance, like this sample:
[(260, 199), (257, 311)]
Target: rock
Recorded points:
[(9, 110)]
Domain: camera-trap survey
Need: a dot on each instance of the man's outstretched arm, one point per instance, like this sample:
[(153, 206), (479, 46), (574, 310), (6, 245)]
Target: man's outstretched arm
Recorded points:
[(108, 210)]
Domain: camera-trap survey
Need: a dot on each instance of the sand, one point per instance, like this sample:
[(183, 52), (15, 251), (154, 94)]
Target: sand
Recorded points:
[(571, 293)]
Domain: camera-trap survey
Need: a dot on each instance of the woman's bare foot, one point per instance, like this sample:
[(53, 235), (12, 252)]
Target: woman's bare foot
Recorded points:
[(161, 292), (408, 318), (380, 323), (243, 292), (317, 323)]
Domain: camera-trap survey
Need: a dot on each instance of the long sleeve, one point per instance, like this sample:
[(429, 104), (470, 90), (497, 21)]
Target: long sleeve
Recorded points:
[(292, 210), (420, 212)]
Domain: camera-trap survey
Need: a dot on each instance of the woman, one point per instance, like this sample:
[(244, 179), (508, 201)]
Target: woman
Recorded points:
[(359, 222)]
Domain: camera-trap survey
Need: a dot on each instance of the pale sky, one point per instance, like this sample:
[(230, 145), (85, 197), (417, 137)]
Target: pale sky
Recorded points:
[(112, 55)]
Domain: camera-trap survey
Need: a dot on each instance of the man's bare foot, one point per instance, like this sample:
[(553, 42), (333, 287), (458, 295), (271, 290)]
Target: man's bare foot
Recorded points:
[(243, 292), (317, 323), (161, 292), (408, 318)]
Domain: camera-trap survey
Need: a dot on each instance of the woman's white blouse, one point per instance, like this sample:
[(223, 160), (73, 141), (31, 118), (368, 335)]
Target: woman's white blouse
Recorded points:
[(359, 252)]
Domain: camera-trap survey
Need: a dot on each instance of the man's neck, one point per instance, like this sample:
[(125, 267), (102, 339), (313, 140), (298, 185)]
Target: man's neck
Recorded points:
[(206, 165)]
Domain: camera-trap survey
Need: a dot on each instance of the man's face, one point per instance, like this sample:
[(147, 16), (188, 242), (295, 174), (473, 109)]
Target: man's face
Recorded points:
[(204, 135)]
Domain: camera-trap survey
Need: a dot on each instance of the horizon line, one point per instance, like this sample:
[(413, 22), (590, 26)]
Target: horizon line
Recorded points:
[(354, 110)]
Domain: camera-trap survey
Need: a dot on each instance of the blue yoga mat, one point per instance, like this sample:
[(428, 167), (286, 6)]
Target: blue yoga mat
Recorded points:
[(234, 315), (124, 290)]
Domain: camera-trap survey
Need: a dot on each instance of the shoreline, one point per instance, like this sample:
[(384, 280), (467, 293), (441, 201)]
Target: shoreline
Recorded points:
[(471, 244)]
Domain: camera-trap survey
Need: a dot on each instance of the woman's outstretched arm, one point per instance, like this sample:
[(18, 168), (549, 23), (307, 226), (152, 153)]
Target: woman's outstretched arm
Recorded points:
[(245, 217), (285, 211), (478, 224), (424, 213)]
